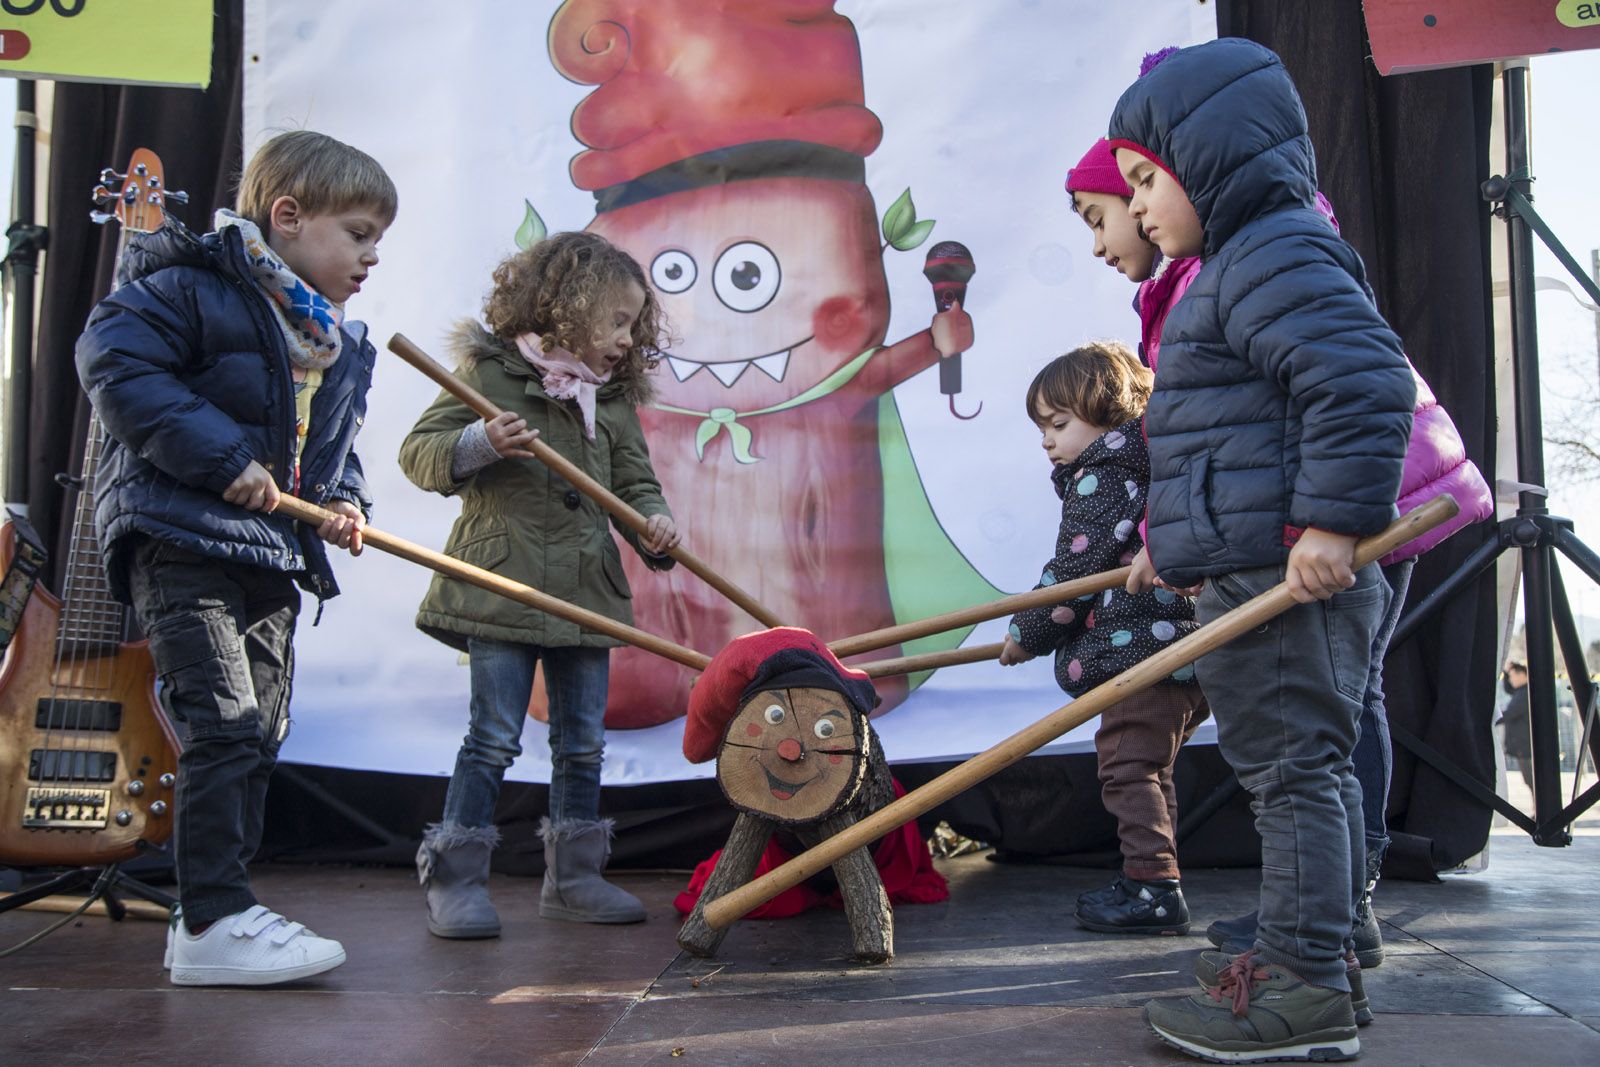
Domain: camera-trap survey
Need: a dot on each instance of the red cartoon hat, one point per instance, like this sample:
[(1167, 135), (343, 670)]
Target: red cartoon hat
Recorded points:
[(785, 657), (691, 93)]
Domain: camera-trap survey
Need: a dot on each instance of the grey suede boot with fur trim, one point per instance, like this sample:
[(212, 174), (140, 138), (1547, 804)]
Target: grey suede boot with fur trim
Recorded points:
[(575, 852), (453, 866)]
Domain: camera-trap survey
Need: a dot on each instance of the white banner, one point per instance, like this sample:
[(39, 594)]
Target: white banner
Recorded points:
[(816, 411)]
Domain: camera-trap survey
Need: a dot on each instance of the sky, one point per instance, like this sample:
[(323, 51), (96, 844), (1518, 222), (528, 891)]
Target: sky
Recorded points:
[(1565, 158)]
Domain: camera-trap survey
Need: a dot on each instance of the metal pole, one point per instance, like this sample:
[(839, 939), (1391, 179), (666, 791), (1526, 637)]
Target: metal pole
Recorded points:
[(1594, 269), (21, 264), (1536, 558)]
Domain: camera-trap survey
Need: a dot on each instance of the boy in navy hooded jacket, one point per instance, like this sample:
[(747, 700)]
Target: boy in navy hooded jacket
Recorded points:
[(1277, 434)]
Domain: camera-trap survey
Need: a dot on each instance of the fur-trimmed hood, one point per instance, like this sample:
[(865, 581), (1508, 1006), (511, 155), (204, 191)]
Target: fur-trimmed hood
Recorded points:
[(470, 342)]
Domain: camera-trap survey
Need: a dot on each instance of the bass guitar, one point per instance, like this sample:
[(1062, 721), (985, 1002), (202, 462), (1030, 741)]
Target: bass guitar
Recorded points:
[(88, 762)]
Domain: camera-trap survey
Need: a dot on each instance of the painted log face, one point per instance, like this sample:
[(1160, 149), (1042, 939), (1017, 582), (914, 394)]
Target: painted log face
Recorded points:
[(794, 756)]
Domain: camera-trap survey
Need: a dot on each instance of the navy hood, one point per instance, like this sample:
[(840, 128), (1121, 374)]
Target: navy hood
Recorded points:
[(1225, 120), (175, 245)]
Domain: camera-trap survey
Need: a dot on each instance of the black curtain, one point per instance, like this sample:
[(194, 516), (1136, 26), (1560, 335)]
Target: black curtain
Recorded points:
[(196, 134), (1401, 160)]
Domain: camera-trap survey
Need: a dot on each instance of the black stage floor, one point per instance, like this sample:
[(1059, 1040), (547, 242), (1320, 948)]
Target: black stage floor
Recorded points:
[(1498, 967)]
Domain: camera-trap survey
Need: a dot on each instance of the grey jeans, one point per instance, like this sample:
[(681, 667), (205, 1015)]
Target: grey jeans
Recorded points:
[(222, 638), (1286, 697)]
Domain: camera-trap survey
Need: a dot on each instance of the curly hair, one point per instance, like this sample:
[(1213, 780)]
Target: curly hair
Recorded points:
[(559, 288), (1101, 382)]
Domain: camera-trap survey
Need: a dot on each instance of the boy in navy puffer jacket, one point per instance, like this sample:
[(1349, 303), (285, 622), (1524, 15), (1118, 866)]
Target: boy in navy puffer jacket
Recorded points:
[(1277, 434), (224, 377)]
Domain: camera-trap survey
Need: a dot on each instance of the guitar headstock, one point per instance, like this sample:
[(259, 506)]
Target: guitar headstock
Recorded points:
[(140, 197)]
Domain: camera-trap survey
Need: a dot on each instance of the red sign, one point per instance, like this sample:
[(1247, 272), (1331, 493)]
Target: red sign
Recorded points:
[(1408, 35)]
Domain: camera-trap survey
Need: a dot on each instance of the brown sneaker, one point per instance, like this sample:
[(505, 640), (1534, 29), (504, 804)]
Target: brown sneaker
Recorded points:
[(1258, 1011)]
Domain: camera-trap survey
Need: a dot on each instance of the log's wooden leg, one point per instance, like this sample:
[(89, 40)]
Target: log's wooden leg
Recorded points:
[(866, 904), (734, 867)]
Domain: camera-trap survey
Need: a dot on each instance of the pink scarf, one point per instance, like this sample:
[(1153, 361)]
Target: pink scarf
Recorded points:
[(565, 377)]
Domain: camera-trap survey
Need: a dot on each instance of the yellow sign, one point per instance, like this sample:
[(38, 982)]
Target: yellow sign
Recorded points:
[(160, 42), (1577, 15)]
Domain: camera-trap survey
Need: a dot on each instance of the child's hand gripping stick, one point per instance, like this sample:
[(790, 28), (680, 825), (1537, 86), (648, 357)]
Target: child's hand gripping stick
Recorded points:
[(619, 509)]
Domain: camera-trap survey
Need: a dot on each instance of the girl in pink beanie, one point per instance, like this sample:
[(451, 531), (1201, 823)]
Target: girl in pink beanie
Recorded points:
[(1100, 197)]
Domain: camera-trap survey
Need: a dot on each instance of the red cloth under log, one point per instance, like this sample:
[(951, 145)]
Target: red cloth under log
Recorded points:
[(903, 862)]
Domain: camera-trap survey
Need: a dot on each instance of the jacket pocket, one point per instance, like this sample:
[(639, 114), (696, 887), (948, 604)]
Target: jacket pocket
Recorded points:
[(611, 563), (1201, 525), (488, 550)]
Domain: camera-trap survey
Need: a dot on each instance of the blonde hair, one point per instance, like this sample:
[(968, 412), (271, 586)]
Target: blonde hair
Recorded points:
[(560, 288), (322, 174), (1101, 382)]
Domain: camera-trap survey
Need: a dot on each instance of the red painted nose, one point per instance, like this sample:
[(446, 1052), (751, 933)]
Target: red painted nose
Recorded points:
[(790, 750)]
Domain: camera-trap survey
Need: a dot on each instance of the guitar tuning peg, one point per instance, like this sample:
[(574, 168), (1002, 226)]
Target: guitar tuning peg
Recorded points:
[(141, 170), (108, 176), (100, 218), (177, 197), (101, 196)]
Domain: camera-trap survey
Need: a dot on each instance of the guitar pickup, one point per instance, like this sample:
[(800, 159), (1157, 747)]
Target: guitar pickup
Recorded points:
[(71, 765), (51, 808), (68, 713)]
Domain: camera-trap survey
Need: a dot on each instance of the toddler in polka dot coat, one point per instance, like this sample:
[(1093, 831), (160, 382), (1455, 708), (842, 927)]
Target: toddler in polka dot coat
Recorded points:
[(1087, 405)]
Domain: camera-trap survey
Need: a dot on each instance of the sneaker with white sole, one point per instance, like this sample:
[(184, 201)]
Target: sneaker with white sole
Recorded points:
[(254, 947), (172, 924), (1257, 1012)]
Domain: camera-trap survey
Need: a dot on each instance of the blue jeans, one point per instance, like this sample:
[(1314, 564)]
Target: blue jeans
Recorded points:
[(502, 681), (1286, 697), (1373, 758), (222, 639)]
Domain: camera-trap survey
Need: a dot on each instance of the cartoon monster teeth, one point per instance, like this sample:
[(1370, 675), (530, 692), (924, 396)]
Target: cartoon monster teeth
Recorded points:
[(683, 369), (728, 373), (774, 366)]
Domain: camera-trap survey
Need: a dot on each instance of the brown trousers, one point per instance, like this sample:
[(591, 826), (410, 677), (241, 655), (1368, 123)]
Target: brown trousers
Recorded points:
[(1137, 743)]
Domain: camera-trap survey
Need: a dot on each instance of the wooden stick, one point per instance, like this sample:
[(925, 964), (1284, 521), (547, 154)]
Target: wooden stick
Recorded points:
[(1049, 596), (403, 347), (60, 904), (1275, 601), (312, 515), (929, 661)]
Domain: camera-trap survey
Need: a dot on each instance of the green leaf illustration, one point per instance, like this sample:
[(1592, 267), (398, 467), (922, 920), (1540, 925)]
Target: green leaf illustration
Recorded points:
[(532, 229), (900, 217), (913, 236)]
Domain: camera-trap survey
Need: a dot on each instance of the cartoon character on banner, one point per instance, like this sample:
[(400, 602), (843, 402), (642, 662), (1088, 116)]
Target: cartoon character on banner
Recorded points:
[(726, 152)]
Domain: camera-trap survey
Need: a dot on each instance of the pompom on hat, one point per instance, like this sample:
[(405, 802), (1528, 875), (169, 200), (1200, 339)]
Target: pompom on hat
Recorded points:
[(1097, 171), (786, 657), (1150, 62)]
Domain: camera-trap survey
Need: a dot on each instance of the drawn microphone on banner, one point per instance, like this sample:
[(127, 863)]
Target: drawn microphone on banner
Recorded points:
[(948, 268)]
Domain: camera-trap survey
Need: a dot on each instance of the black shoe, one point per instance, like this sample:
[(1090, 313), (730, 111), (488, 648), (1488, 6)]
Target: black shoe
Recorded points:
[(1104, 895), (1138, 908), (1367, 935)]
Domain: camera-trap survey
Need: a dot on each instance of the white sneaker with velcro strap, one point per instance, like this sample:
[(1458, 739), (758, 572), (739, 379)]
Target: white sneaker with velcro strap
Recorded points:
[(254, 947), (173, 921)]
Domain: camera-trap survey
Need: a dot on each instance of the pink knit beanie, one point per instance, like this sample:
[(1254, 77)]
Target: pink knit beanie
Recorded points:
[(1097, 172)]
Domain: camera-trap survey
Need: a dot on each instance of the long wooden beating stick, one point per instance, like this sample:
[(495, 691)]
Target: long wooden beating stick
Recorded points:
[(403, 347), (1048, 596), (312, 515), (929, 661), (1275, 601)]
